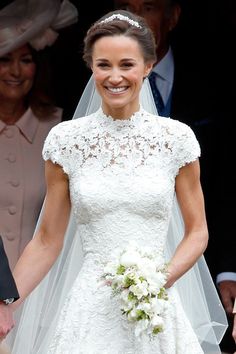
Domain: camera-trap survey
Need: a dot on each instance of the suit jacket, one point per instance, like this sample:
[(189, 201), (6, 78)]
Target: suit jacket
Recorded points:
[(7, 284), (197, 101)]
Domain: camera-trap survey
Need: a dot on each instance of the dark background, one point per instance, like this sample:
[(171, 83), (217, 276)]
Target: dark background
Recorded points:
[(207, 29)]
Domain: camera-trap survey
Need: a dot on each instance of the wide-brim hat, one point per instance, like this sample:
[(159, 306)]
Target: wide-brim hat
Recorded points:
[(35, 22)]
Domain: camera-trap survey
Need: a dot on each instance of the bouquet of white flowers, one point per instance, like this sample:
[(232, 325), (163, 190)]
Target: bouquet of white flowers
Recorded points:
[(138, 278)]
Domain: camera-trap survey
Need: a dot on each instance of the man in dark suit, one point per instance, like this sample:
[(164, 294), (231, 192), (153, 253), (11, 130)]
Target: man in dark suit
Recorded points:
[(225, 249), (8, 294)]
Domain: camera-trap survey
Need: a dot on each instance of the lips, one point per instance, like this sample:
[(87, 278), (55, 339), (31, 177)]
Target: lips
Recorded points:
[(13, 82), (117, 90)]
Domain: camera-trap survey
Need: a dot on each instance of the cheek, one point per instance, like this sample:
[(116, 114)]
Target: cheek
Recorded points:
[(136, 76), (99, 75), (154, 20), (30, 72), (3, 70)]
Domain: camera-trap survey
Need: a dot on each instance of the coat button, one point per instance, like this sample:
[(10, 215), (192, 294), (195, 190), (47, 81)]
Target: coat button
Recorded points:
[(11, 157), (10, 236), (12, 209), (15, 183)]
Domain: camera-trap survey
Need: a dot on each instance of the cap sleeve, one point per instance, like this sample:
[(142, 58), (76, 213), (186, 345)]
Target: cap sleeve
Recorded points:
[(54, 148), (188, 146)]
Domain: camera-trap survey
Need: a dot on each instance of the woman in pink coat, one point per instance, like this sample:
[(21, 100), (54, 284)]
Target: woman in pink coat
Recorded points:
[(27, 113)]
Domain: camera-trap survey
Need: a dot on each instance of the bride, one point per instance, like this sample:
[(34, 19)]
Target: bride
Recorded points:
[(112, 177)]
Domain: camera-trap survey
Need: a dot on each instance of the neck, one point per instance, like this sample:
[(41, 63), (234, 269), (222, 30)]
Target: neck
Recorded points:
[(121, 113), (11, 113)]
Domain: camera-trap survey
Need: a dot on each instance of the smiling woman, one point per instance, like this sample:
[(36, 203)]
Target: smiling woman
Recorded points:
[(118, 172), (17, 72), (119, 69), (27, 113)]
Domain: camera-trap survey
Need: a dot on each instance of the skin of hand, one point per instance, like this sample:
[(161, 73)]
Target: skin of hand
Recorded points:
[(191, 202), (227, 290), (6, 320), (234, 330), (234, 325)]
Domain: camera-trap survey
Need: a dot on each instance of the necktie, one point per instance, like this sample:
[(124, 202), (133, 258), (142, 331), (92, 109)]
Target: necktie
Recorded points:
[(156, 93)]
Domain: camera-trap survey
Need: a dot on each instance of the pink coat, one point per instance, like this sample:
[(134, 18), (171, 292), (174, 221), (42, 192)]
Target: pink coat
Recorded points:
[(22, 181)]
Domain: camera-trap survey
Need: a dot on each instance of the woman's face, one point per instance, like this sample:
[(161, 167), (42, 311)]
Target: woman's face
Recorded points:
[(119, 69), (17, 72)]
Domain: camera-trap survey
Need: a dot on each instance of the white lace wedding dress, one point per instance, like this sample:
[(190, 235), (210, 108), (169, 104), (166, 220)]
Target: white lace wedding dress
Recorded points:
[(122, 183)]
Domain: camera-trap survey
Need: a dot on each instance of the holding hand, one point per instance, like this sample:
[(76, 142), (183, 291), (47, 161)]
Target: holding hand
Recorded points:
[(6, 320), (228, 294), (234, 326)]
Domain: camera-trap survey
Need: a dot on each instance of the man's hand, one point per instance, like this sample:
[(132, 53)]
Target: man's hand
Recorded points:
[(234, 328), (6, 320), (228, 294)]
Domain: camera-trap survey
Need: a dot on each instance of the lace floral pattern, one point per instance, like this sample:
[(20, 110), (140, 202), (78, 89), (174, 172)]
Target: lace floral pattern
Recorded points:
[(122, 181)]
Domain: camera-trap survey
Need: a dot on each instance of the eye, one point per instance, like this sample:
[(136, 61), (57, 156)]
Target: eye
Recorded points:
[(127, 65), (27, 60), (103, 65), (148, 8), (4, 59)]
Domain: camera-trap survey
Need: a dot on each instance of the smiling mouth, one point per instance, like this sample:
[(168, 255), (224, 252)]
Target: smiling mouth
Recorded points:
[(13, 82), (117, 90)]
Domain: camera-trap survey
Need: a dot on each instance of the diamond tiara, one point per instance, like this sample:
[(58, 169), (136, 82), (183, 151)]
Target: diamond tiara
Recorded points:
[(122, 18)]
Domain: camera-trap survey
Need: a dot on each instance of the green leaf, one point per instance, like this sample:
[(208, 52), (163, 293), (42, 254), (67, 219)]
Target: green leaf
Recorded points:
[(120, 270)]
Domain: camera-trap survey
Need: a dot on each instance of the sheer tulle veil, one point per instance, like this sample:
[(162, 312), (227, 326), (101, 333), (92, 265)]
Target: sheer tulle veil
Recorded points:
[(197, 291)]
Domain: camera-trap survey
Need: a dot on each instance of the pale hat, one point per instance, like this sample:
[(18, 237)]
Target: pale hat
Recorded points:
[(35, 22)]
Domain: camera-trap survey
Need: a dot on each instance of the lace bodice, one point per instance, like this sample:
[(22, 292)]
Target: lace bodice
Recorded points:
[(122, 174), (122, 183)]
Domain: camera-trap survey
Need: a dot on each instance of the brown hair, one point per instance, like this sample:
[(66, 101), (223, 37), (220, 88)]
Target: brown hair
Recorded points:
[(142, 34)]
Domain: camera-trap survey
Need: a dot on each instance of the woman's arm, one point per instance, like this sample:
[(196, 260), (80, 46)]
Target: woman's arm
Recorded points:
[(191, 202), (43, 250)]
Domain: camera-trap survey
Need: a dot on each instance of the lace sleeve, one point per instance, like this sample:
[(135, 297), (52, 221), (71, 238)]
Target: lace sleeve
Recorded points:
[(54, 148), (188, 148)]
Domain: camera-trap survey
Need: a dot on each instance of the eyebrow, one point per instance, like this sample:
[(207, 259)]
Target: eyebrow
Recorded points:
[(122, 60)]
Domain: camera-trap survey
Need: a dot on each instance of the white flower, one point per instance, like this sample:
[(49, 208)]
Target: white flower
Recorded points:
[(157, 321), (129, 259), (140, 289), (146, 307), (132, 315), (138, 278)]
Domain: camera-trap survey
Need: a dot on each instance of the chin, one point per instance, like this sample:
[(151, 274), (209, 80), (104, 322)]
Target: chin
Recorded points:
[(117, 102)]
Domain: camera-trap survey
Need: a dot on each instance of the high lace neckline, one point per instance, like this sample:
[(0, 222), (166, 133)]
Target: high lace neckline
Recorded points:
[(108, 119)]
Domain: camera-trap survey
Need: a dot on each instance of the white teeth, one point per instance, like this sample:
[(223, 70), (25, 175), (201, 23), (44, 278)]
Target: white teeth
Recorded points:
[(16, 83), (117, 89)]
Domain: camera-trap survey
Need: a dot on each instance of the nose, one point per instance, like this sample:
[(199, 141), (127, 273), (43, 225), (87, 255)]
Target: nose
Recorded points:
[(15, 68), (115, 77)]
